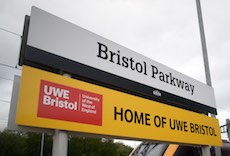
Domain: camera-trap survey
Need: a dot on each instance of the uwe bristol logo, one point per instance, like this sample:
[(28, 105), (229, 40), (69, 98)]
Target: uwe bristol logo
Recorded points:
[(60, 102)]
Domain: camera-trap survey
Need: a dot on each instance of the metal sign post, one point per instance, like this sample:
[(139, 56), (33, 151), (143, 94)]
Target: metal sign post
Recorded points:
[(205, 150), (60, 139), (60, 143), (42, 144)]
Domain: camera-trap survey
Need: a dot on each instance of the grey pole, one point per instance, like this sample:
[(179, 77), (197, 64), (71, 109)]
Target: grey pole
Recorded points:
[(203, 43), (205, 150), (60, 139), (42, 144), (60, 143)]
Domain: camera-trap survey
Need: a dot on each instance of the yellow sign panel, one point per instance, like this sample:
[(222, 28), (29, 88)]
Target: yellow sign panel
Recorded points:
[(53, 101)]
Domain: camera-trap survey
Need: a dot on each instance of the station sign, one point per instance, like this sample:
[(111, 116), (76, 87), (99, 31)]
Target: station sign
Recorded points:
[(55, 43), (48, 100)]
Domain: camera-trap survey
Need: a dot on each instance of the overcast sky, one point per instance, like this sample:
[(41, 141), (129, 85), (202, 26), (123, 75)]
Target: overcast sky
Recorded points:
[(166, 31)]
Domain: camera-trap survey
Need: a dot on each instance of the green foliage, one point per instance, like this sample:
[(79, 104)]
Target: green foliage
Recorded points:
[(123, 150), (12, 144), (33, 145), (95, 147), (28, 144), (84, 147)]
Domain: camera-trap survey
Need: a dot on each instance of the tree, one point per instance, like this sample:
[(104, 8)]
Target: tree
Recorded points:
[(28, 144), (95, 147), (122, 149), (12, 144), (84, 146), (33, 144)]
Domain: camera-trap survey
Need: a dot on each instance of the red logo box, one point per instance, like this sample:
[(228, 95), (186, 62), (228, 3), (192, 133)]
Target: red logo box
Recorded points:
[(62, 102)]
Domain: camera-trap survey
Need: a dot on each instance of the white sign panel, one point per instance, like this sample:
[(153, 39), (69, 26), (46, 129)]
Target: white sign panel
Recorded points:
[(59, 37)]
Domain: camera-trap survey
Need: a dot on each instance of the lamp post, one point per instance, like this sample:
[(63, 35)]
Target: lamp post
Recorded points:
[(205, 150)]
